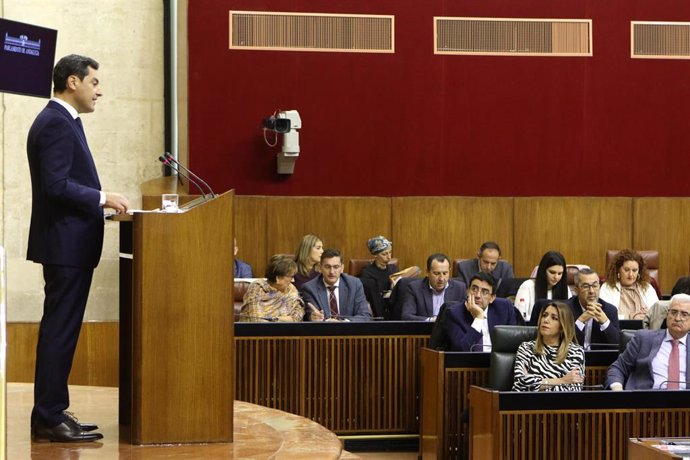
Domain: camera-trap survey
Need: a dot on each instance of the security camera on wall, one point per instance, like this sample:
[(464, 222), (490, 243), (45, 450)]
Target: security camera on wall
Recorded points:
[(287, 123)]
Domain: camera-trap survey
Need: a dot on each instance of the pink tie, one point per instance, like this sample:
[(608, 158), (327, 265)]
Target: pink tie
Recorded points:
[(674, 366)]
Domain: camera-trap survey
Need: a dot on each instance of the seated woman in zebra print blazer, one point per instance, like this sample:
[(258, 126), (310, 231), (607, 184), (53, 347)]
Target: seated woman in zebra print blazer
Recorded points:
[(554, 361)]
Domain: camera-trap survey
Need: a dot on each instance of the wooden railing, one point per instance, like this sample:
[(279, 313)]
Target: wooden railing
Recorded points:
[(445, 388), (587, 425), (352, 378)]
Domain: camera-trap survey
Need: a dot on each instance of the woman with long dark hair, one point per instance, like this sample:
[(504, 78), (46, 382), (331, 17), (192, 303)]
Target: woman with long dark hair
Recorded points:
[(551, 282)]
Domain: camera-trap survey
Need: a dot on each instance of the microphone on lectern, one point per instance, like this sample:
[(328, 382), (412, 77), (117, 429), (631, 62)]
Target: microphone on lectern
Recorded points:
[(166, 162), (169, 157)]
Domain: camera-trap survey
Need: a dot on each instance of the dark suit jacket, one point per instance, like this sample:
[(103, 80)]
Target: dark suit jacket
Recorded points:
[(470, 267), (242, 269), (418, 304), (610, 335), (459, 323), (633, 368), (352, 304), (66, 216)]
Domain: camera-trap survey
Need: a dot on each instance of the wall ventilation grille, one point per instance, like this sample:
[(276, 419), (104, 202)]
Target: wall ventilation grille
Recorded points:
[(262, 30), (511, 37), (660, 40)]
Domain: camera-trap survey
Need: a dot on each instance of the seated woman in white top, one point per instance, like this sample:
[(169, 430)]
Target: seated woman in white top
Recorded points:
[(551, 283), (627, 286)]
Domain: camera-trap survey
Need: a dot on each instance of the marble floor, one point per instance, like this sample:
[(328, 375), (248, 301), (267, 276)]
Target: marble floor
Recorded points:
[(259, 433)]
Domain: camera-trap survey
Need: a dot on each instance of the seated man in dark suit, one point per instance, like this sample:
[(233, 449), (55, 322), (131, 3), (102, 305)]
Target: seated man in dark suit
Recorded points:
[(423, 298), (333, 295), (596, 321), (242, 269), (657, 359), (468, 323), (487, 261)]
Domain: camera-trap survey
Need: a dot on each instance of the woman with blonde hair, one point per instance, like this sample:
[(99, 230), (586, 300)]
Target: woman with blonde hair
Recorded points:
[(627, 286), (554, 361), (308, 256)]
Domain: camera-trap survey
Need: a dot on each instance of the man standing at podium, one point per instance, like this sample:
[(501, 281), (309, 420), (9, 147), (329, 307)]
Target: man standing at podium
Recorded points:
[(66, 237)]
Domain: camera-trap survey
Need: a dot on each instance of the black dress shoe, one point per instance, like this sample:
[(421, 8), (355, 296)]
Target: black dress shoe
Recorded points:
[(67, 431), (85, 426)]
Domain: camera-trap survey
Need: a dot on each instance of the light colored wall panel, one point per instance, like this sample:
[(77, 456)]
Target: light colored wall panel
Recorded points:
[(664, 224), (582, 228), (126, 133), (456, 226)]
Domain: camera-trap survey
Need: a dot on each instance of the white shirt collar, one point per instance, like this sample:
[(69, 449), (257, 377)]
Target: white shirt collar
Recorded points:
[(434, 292), (336, 284), (72, 111), (682, 340)]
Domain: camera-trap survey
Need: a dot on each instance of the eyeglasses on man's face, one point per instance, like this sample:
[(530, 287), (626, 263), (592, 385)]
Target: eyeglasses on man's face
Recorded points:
[(476, 289), (587, 287), (683, 315)]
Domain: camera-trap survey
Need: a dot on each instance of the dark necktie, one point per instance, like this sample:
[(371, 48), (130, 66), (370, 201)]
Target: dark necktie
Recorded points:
[(81, 130), (674, 366), (332, 301), (81, 126)]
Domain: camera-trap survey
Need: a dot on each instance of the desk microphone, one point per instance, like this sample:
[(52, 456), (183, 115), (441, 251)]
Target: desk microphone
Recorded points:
[(477, 345), (262, 318), (169, 157), (584, 387), (604, 345), (166, 162), (664, 385), (375, 318)]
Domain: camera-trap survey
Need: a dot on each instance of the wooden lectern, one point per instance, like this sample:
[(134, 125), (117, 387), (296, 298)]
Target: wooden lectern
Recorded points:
[(176, 325)]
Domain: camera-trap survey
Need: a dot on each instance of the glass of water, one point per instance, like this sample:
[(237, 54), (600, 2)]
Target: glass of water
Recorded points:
[(170, 202)]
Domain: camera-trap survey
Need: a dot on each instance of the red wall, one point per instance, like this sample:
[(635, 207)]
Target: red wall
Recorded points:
[(415, 123)]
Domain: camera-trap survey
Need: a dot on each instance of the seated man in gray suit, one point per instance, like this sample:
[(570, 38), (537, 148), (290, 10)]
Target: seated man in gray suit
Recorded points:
[(657, 359), (423, 298), (487, 261), (333, 295)]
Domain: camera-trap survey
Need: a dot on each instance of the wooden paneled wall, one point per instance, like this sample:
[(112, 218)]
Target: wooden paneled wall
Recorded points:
[(455, 226), (664, 224), (582, 228)]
